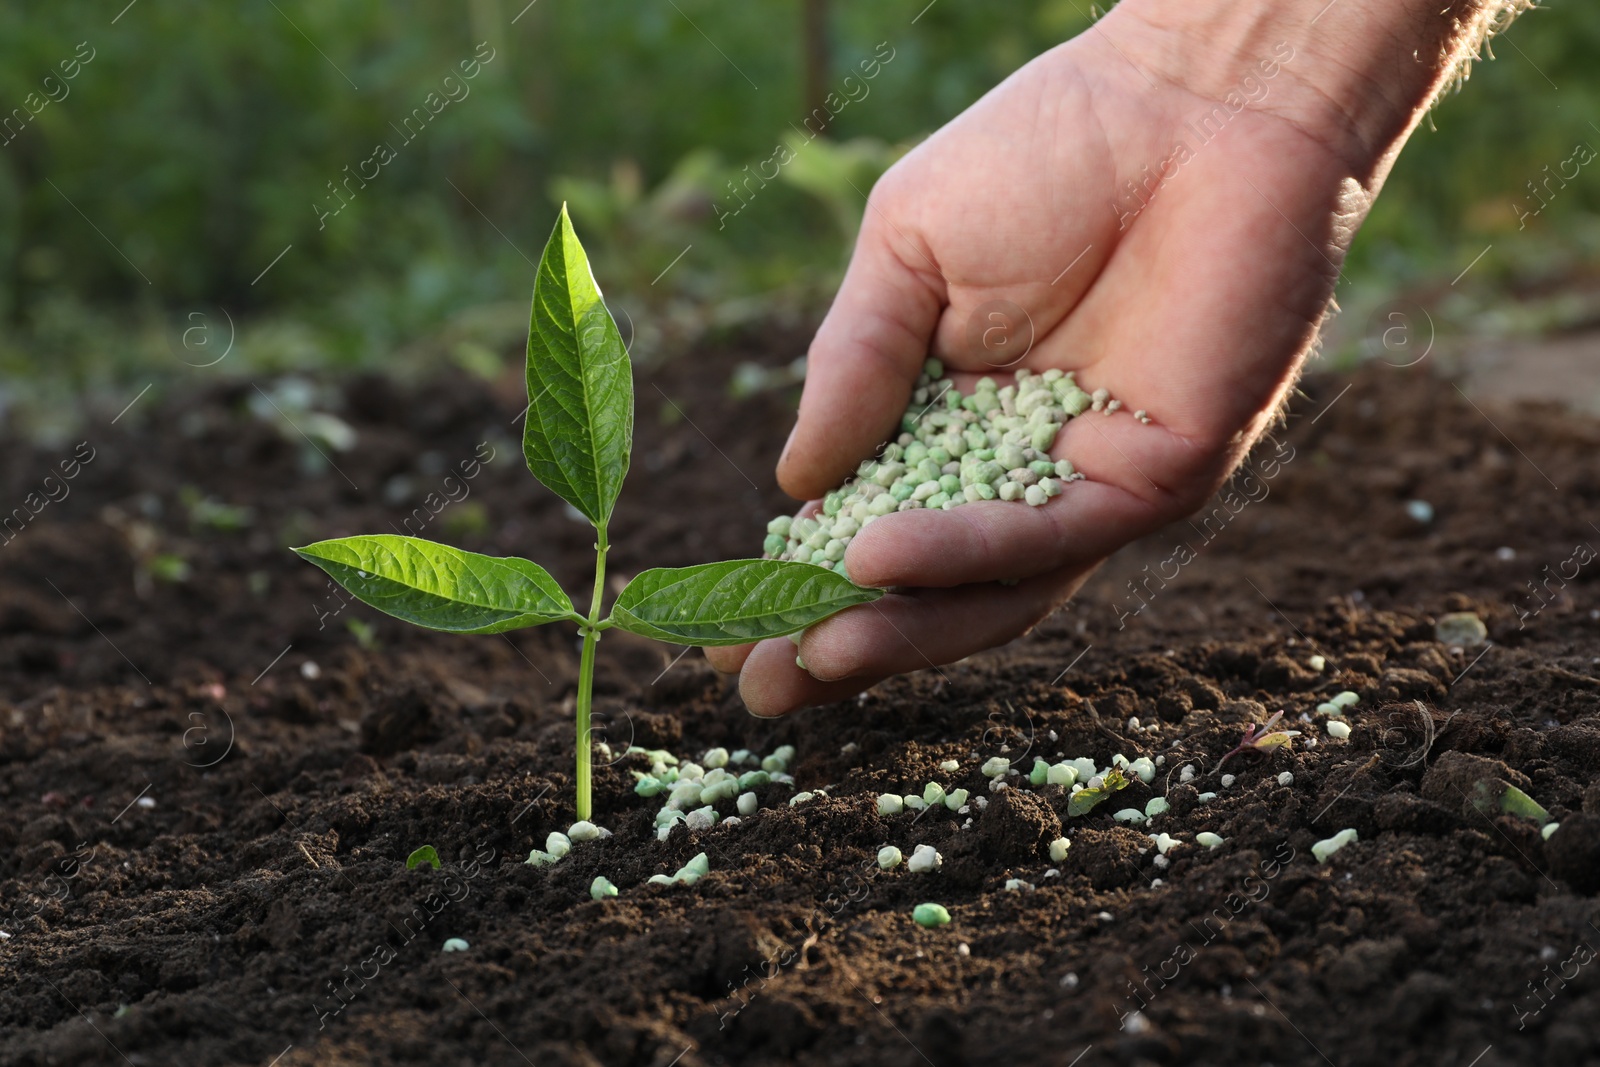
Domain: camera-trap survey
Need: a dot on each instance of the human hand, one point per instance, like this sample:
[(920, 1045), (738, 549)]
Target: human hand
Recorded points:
[(1111, 210)]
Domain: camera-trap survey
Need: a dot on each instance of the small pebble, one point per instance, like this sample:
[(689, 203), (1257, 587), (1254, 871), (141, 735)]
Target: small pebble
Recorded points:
[(1058, 849), (930, 915), (310, 671), (1286, 778), (1208, 839), (1187, 774), (747, 803), (1228, 780), (963, 950), (995, 766), (1317, 663), (950, 766), (889, 804), (146, 802), (455, 944), (1420, 510), (1549, 828), (1337, 728), (889, 857), (583, 831), (1345, 699)]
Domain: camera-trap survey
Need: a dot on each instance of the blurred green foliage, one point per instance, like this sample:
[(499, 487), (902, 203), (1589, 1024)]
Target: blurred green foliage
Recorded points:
[(202, 140)]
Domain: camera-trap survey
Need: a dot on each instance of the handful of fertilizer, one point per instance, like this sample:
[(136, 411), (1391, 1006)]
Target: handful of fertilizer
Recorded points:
[(952, 450)]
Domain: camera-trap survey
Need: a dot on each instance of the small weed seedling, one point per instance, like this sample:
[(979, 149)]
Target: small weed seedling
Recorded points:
[(427, 854), (1259, 739), (577, 440)]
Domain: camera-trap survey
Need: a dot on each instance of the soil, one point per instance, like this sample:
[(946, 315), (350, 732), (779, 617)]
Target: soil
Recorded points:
[(288, 751)]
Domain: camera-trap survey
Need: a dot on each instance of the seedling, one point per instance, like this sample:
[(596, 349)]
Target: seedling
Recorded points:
[(1261, 739), (577, 440), (1491, 795), (426, 854), (1099, 787)]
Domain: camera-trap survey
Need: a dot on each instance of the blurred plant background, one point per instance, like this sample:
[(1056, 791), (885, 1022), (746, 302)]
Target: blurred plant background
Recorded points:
[(166, 200)]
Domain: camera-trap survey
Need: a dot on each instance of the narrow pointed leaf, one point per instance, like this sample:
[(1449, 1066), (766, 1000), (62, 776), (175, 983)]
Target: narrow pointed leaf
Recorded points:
[(440, 587), (579, 428), (733, 602)]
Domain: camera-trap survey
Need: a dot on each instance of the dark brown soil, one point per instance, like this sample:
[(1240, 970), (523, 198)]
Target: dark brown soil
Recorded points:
[(260, 912)]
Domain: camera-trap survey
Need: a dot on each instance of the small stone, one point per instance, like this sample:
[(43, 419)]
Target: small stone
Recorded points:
[(889, 857), (1058, 849), (455, 944), (1208, 839), (583, 831), (747, 803), (1338, 729), (1286, 778), (930, 915)]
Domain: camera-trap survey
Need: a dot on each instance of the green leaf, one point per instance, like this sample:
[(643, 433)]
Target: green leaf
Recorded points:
[(425, 854), (1084, 800), (440, 587), (579, 428), (734, 602)]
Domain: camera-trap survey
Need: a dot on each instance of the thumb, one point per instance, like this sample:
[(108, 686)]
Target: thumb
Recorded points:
[(864, 360)]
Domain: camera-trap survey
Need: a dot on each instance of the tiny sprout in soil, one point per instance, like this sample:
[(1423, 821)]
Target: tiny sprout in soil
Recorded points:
[(427, 854), (1260, 739), (577, 440)]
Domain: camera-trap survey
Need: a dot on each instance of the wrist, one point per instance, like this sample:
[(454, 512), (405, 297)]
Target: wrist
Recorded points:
[(1359, 74)]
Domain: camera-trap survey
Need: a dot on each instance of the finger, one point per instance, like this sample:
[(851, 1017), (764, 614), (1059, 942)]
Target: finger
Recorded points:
[(866, 355), (929, 627), (989, 541), (772, 684), (728, 659)]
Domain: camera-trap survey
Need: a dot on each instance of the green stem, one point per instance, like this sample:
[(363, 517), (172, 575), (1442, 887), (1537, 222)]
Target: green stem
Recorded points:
[(591, 637)]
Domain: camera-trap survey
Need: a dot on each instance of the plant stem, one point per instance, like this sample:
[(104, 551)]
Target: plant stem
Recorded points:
[(591, 637)]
